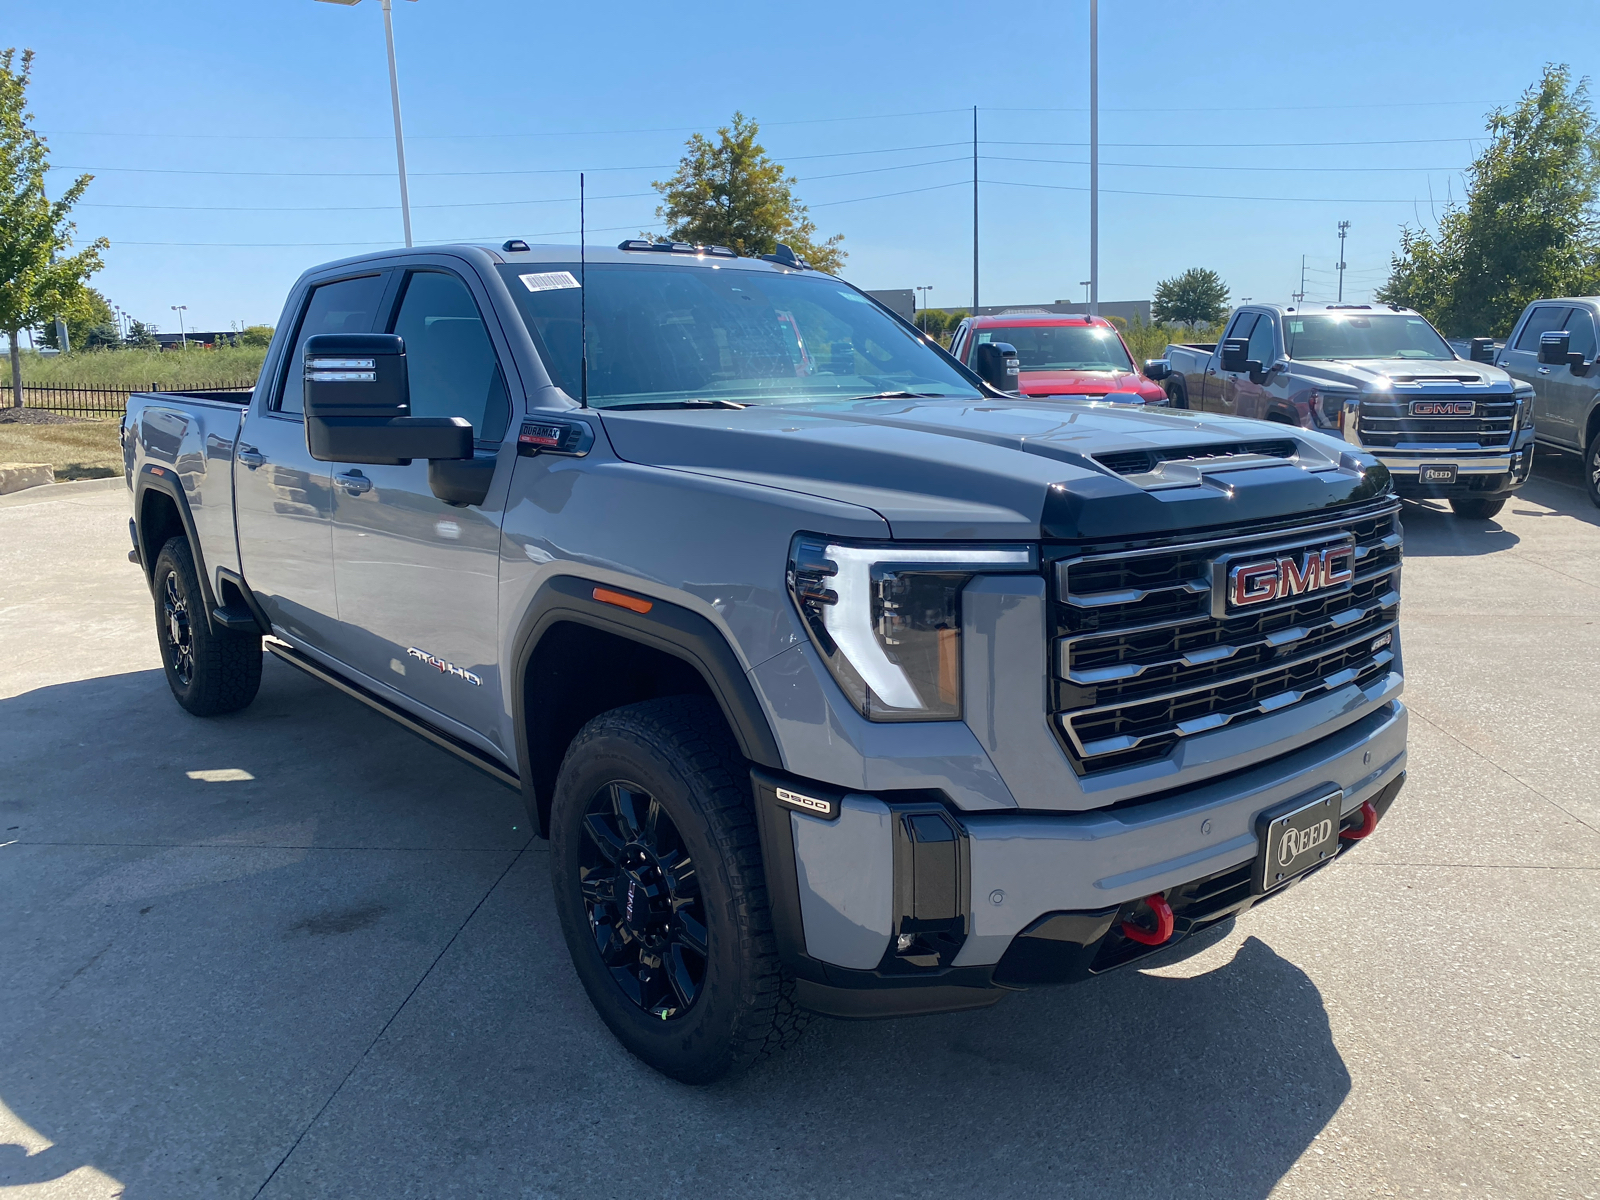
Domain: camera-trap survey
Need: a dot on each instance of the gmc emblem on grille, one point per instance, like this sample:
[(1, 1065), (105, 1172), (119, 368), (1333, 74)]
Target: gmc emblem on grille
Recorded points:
[(1443, 408), (1246, 581)]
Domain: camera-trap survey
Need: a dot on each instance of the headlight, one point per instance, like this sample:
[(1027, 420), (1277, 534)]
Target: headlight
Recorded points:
[(886, 618), (1326, 406), (1524, 408)]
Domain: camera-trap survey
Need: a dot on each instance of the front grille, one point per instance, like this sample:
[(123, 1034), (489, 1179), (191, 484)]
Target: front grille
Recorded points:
[(1388, 424), (1141, 659)]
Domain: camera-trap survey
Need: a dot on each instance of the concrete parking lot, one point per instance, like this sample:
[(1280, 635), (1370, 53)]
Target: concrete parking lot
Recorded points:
[(297, 952)]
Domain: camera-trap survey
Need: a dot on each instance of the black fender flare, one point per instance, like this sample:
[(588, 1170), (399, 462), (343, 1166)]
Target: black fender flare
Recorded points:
[(667, 627), (165, 480)]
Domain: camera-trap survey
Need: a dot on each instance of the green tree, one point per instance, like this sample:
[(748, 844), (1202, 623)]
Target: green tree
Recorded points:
[(729, 193), (1528, 227), (141, 335), (255, 335), (92, 325), (1197, 297), (35, 287)]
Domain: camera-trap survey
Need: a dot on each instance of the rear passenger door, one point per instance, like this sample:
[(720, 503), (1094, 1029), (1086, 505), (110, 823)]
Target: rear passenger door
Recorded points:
[(417, 578), (1567, 397)]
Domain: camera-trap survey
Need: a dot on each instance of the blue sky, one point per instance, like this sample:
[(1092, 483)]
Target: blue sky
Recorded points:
[(236, 143)]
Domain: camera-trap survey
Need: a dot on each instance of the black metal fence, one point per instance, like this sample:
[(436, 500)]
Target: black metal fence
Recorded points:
[(103, 402)]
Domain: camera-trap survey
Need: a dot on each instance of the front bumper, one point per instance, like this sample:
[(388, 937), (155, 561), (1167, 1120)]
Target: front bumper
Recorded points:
[(880, 912), (1476, 475)]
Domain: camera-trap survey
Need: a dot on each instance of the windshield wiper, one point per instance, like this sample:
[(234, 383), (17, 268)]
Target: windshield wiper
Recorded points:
[(908, 396), (678, 404)]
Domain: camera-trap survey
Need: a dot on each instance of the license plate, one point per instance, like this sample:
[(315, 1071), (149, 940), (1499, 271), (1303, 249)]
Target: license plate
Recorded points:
[(1296, 837), (1438, 473)]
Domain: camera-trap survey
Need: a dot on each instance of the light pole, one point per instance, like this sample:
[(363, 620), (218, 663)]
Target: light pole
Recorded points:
[(394, 100), (924, 291), (180, 309), (1085, 284), (1094, 158)]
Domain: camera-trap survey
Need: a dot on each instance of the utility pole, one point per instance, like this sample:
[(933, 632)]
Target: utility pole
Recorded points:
[(1343, 227), (1094, 158), (974, 210), (1300, 296)]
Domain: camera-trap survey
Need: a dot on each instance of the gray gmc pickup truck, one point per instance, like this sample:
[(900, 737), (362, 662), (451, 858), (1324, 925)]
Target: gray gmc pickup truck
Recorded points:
[(839, 681), (1381, 378)]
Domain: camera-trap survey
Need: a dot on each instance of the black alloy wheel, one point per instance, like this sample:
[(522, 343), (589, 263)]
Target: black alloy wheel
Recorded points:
[(180, 635), (1591, 470), (642, 896)]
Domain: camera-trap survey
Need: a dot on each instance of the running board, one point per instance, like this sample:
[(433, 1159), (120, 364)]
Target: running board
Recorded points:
[(467, 754)]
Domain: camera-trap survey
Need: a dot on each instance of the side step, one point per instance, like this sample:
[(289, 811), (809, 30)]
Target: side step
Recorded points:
[(235, 616), (466, 753)]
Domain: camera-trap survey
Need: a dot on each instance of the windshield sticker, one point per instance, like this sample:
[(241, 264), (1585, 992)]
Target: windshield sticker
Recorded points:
[(859, 299), (550, 281)]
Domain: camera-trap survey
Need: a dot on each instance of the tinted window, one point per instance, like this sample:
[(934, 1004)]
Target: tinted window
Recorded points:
[(1581, 326), (1241, 327), (663, 333), (449, 358), (1075, 347), (344, 307), (1263, 346), (1544, 319)]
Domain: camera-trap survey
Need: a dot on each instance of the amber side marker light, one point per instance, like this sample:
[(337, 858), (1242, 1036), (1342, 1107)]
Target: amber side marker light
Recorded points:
[(623, 600)]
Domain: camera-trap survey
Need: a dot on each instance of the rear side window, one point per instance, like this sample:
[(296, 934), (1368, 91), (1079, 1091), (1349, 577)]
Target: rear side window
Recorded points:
[(450, 360), (344, 307), (1544, 319)]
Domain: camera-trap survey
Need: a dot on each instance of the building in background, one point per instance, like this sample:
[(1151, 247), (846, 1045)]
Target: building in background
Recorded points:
[(902, 300)]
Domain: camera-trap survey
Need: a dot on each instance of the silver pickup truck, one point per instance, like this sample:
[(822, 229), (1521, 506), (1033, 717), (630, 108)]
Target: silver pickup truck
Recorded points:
[(1378, 377), (1552, 349), (839, 680)]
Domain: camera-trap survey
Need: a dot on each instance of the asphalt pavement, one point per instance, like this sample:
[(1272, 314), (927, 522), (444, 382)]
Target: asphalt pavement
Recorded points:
[(297, 952)]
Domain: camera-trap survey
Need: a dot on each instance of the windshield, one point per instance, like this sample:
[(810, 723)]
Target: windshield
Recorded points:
[(661, 334), (1062, 347), (1363, 336)]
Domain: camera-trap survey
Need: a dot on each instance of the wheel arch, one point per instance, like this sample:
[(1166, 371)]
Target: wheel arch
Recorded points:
[(162, 513), (575, 657)]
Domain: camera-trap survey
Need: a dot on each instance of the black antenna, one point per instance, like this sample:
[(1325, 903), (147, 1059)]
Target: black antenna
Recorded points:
[(583, 303)]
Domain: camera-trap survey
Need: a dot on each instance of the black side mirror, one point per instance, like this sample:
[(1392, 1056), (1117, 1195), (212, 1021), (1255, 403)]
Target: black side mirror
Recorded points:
[(1553, 348), (358, 405), (1482, 350), (1233, 354), (996, 364), (1157, 369)]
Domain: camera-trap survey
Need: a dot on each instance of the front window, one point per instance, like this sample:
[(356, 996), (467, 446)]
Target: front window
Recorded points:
[(1360, 335), (1062, 347), (661, 334)]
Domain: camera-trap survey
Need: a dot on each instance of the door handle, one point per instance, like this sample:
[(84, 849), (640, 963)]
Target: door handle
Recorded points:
[(1504, 362), (250, 456), (1544, 370), (354, 482)]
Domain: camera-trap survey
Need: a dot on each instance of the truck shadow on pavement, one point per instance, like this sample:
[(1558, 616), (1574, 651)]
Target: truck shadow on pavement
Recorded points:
[(195, 980)]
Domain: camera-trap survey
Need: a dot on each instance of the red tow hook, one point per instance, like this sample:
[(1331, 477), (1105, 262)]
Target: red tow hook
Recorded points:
[(1369, 822), (1163, 911)]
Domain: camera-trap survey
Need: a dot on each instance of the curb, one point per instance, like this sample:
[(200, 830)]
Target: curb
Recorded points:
[(61, 491)]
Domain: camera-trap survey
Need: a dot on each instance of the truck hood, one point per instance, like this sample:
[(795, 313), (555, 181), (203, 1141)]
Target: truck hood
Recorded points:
[(1011, 469), (1377, 374), (1086, 383)]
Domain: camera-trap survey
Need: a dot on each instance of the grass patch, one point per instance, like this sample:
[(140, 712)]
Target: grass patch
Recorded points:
[(124, 369), (84, 450)]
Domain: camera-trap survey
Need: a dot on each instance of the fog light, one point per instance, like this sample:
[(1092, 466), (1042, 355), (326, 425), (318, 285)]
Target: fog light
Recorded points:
[(903, 942)]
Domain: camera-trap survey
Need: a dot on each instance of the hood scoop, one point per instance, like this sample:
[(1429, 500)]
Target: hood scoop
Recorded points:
[(1142, 462), (1436, 379)]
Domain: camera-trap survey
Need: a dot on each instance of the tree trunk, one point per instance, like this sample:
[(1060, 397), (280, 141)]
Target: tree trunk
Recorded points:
[(16, 372)]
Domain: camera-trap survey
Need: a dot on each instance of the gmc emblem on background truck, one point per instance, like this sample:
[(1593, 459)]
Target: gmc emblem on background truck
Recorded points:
[(1255, 581), (1443, 408)]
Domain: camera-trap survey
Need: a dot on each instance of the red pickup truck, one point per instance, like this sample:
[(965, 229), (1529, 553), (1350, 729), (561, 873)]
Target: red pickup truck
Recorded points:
[(1060, 354)]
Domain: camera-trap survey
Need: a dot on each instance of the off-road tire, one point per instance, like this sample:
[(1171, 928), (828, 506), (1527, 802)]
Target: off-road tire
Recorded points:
[(210, 670), (1591, 470), (1478, 510), (679, 751)]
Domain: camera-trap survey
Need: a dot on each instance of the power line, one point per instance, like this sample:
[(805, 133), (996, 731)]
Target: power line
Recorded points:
[(386, 242), (360, 207), (1248, 145), (1265, 107), (1073, 162), (1060, 187)]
